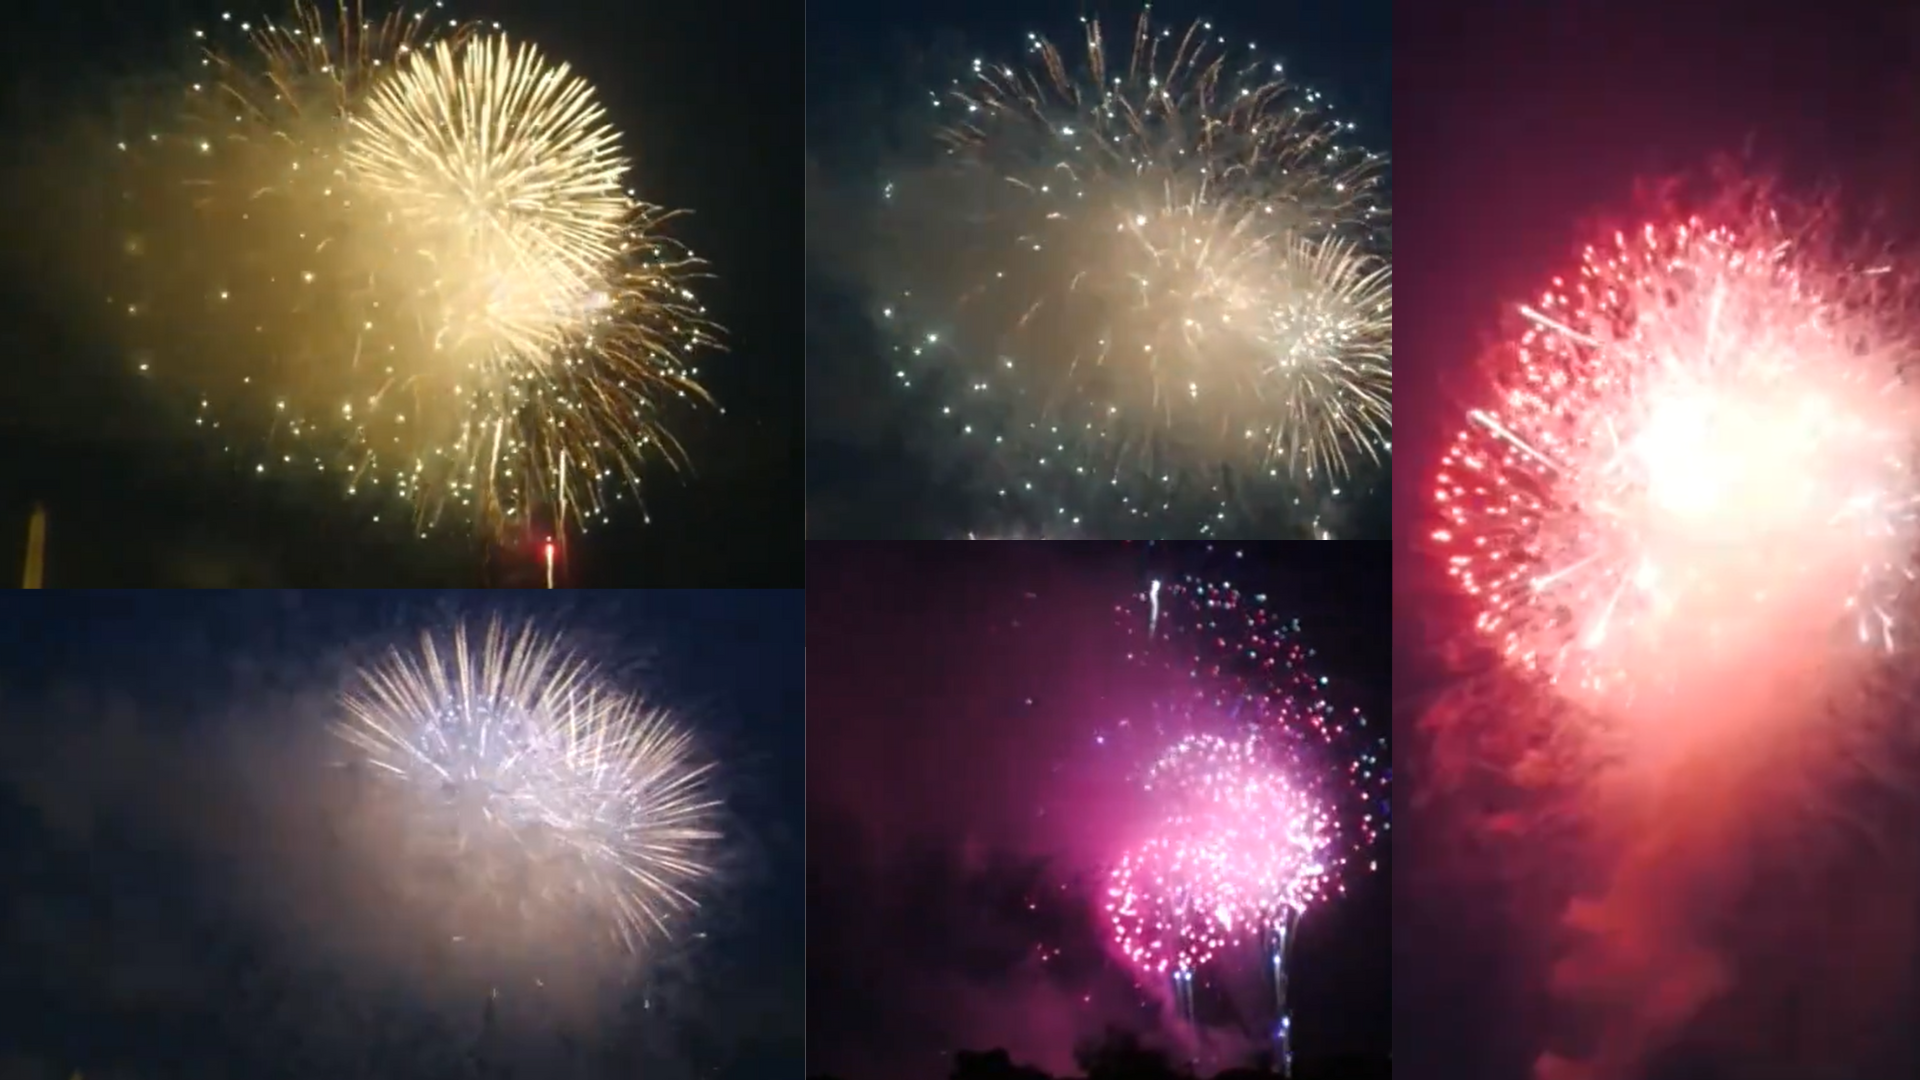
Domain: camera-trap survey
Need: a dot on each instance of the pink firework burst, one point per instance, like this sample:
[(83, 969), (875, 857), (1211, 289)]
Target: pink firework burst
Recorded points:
[(1255, 795), (1234, 789), (1224, 663), (1239, 847), (1699, 442), (1161, 903)]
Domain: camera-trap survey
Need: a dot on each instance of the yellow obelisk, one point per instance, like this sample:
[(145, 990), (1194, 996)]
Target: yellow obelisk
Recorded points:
[(36, 548)]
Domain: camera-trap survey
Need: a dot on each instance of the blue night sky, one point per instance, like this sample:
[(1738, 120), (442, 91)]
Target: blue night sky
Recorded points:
[(151, 911)]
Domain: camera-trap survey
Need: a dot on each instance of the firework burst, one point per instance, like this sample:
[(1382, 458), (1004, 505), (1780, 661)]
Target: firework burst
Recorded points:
[(399, 254), (1161, 903), (1231, 787), (1243, 687), (555, 805), (1259, 798), (1238, 850), (1261, 794), (1157, 286), (1700, 441)]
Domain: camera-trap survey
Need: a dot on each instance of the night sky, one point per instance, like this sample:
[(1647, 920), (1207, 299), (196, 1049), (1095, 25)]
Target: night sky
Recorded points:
[(871, 469), (709, 103), (1519, 127), (175, 904), (953, 693)]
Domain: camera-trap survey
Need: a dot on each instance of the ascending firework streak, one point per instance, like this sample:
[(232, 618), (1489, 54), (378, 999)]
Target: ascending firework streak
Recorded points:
[(1278, 941), (1147, 278), (560, 810), (401, 256)]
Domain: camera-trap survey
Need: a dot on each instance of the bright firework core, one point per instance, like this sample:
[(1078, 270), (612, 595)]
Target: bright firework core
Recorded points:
[(1237, 850), (536, 807), (505, 174), (1701, 440)]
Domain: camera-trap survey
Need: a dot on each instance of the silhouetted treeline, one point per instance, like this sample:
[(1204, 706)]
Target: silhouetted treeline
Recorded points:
[(1122, 1056)]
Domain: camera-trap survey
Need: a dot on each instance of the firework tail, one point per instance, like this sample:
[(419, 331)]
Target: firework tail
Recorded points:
[(559, 530), (578, 251), (1183, 1003), (1278, 940), (554, 549)]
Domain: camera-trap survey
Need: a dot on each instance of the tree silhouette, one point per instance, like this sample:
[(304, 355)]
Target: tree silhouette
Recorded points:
[(1120, 1055), (992, 1065)]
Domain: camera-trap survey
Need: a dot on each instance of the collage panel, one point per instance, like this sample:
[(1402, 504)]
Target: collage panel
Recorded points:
[(342, 330), (371, 293), (1114, 272), (401, 835), (1655, 541), (1097, 810)]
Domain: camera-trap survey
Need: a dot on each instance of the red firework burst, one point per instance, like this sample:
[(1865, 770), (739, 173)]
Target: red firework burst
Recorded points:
[(1699, 440)]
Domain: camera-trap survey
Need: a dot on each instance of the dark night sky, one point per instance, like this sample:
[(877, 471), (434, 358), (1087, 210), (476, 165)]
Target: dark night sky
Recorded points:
[(870, 471), (1518, 124), (947, 687), (710, 105), (165, 911)]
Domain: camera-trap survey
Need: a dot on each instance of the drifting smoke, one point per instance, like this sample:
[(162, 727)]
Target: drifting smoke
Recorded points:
[(1683, 522)]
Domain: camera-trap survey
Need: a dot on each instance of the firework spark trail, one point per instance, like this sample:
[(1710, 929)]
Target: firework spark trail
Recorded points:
[(1155, 283), (1686, 528), (399, 255), (561, 807)]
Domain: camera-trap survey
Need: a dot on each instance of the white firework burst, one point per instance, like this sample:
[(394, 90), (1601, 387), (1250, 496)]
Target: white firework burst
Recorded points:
[(1149, 283), (557, 806)]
